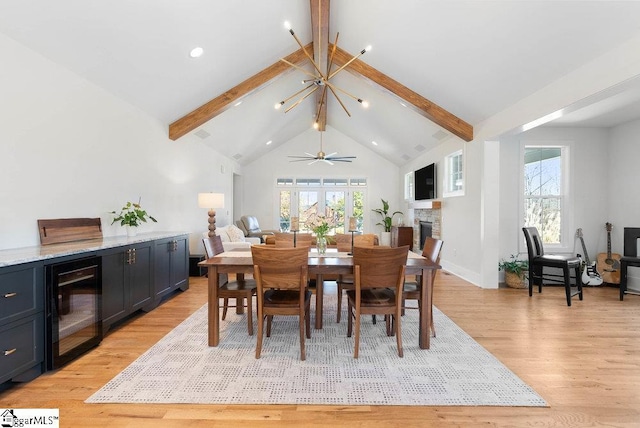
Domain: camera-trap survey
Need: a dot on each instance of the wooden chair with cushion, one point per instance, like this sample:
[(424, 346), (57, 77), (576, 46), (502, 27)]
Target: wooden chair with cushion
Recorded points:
[(282, 278), (242, 289), (411, 290), (379, 276), (345, 281), (538, 260)]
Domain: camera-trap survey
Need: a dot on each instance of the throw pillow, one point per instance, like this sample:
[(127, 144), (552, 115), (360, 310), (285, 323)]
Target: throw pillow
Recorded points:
[(223, 233), (235, 234)]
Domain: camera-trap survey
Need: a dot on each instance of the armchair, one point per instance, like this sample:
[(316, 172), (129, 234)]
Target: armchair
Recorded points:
[(250, 226)]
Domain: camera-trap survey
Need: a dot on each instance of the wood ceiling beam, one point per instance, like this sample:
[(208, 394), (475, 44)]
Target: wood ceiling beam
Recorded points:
[(426, 108), (222, 102), (320, 33)]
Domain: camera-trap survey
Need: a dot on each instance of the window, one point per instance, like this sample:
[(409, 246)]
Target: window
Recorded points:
[(345, 196), (453, 175), (545, 203), (408, 186)]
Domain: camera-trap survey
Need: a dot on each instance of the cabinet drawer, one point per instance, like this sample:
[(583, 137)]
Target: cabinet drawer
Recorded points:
[(20, 293), (21, 346)]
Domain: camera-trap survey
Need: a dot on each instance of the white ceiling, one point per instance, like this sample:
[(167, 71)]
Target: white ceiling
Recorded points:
[(473, 58)]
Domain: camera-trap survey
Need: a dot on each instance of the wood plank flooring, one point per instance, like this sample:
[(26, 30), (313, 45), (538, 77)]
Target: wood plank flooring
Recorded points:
[(583, 360)]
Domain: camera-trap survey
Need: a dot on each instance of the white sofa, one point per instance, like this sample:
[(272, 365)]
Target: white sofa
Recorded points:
[(232, 237)]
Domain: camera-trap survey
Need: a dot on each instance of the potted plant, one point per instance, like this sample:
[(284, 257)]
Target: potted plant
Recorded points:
[(386, 222), (130, 216), (514, 271)]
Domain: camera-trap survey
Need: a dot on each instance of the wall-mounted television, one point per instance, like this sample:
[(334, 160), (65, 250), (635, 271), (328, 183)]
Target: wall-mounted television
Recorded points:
[(425, 183)]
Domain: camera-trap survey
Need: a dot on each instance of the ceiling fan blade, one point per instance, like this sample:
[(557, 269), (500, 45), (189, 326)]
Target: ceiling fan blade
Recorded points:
[(309, 154), (312, 162), (302, 157), (330, 154), (300, 160), (341, 160), (327, 161), (340, 157)]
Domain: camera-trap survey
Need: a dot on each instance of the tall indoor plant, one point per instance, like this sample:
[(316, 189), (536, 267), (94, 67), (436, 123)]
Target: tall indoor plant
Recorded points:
[(386, 222), (130, 216)]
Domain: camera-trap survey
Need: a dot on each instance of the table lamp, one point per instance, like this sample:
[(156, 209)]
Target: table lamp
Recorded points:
[(211, 201)]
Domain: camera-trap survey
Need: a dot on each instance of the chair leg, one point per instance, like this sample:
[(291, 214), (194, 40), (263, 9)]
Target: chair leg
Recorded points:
[(387, 320), (269, 320), (567, 284), (302, 318), (350, 320), (579, 282), (357, 338), (398, 333), (339, 308), (225, 307), (249, 315), (307, 319), (260, 328)]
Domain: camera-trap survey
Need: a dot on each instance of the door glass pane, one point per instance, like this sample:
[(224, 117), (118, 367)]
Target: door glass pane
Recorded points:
[(358, 208), (285, 210), (334, 200), (306, 200)]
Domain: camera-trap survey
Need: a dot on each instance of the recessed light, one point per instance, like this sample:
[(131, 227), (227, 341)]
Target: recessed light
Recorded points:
[(269, 142), (196, 52), (237, 104), (374, 143)]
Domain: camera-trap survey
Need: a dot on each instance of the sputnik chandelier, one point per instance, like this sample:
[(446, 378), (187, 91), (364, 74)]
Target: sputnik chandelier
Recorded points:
[(320, 79)]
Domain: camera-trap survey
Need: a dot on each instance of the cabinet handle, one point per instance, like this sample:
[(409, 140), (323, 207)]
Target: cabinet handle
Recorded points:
[(175, 245), (10, 295), (9, 351), (133, 254)]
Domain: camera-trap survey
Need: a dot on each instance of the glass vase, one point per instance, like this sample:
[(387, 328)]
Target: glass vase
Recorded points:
[(321, 244)]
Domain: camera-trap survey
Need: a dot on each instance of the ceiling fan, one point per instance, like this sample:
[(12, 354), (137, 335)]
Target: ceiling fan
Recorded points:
[(322, 156)]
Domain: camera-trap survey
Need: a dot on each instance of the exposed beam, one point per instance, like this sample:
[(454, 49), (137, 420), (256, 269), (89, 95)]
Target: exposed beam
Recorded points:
[(426, 108), (320, 33), (211, 109)]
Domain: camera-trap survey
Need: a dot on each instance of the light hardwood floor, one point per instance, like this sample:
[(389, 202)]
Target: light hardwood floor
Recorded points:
[(583, 360)]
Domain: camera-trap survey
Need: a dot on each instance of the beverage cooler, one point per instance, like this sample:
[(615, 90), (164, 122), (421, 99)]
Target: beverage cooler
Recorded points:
[(73, 309)]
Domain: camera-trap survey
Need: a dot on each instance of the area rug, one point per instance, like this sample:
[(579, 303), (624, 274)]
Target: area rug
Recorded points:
[(181, 368)]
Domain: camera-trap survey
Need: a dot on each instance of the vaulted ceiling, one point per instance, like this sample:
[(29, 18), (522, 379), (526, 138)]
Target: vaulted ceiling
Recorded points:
[(471, 59)]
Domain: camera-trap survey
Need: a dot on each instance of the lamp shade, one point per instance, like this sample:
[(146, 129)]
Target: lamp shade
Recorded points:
[(211, 200)]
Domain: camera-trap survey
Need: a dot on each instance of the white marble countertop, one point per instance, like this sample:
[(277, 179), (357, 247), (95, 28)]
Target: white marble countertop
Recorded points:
[(15, 256)]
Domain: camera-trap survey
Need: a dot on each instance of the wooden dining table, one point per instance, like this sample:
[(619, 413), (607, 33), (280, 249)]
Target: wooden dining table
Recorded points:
[(331, 263)]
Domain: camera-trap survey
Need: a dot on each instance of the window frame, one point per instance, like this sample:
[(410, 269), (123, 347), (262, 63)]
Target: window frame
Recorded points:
[(566, 195), (448, 174)]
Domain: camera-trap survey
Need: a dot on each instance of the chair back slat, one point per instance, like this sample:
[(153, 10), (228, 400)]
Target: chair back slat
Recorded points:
[(380, 266), (534, 243), (283, 268), (343, 241), (285, 240)]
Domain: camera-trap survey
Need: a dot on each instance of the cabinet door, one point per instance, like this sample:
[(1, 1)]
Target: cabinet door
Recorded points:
[(115, 296), (162, 268), (141, 276), (180, 263)]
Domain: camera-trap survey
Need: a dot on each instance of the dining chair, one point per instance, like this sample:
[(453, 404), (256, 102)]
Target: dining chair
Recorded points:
[(378, 278), (241, 289), (285, 240), (538, 260), (411, 289), (345, 281), (282, 278)]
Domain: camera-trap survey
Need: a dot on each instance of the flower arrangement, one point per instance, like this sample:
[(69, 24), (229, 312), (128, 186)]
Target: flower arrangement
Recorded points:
[(320, 224), (131, 215)]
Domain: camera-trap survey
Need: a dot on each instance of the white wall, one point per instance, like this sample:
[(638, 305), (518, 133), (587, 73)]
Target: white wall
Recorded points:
[(622, 187), (70, 149), (260, 193)]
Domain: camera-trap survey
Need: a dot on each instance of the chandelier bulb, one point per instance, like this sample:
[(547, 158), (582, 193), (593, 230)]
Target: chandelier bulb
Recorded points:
[(368, 48), (316, 125), (278, 105), (287, 25)]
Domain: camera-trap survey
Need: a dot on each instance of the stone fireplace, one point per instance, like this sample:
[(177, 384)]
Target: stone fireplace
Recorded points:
[(427, 221)]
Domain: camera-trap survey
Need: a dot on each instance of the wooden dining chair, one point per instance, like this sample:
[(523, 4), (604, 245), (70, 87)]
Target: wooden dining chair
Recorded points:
[(282, 278), (241, 289), (285, 240), (345, 281), (411, 290), (379, 275)]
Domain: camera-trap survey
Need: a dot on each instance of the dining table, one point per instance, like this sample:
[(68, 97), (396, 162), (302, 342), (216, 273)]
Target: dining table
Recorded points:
[(331, 263)]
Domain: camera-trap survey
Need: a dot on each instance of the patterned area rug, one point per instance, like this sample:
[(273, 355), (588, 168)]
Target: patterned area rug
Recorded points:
[(181, 368)]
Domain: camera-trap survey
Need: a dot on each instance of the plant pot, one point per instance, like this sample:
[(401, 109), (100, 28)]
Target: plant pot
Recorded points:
[(514, 280), (385, 238), (131, 231)]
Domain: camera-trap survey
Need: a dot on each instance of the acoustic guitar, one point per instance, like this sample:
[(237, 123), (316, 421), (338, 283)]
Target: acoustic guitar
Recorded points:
[(608, 263), (590, 275)]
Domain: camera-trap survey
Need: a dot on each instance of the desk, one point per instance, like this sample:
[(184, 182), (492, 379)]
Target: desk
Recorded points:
[(241, 262)]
